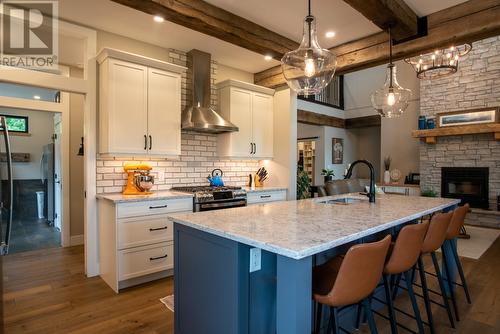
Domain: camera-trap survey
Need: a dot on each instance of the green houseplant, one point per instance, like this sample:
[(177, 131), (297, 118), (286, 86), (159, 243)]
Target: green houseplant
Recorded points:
[(429, 192), (303, 184), (328, 174)]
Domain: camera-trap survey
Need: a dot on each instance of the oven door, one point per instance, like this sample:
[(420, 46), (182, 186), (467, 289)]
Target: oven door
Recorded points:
[(208, 206)]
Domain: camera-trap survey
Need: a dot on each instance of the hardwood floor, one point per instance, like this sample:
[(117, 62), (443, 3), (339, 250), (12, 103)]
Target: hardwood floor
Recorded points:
[(47, 292)]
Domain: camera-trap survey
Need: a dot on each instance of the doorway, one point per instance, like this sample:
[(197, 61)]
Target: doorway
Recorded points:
[(34, 137)]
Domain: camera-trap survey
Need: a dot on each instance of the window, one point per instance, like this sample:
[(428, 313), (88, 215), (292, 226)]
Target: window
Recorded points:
[(332, 95), (16, 123)]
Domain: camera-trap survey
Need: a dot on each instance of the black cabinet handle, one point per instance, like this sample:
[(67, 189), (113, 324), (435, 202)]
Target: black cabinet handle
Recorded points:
[(145, 142), (158, 258), (150, 142), (265, 196), (158, 228), (158, 207), (251, 148), (254, 148)]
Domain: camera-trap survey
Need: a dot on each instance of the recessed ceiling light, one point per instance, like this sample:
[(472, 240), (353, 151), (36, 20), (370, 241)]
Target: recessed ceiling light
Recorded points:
[(330, 34), (158, 19), (268, 57), (36, 97)]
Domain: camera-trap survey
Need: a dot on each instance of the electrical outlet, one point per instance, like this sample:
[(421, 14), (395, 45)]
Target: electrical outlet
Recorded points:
[(160, 176), (255, 259)]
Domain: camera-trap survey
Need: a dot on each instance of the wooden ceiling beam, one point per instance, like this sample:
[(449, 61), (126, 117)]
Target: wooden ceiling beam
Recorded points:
[(312, 118), (465, 23), (389, 13), (203, 17)]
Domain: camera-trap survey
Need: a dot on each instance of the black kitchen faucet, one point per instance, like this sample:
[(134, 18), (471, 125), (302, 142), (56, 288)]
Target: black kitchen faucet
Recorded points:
[(371, 193)]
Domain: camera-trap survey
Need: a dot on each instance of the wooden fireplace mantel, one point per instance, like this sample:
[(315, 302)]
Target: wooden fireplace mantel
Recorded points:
[(430, 136)]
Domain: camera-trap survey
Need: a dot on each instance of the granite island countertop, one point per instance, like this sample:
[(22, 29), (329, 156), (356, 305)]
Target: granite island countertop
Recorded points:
[(298, 229), (157, 195)]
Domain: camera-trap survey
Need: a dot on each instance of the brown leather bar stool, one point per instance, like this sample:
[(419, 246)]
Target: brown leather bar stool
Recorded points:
[(436, 235), (349, 280), (456, 224), (403, 256)]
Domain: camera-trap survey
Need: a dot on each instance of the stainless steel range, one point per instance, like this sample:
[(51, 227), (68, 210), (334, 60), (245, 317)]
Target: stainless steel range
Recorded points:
[(213, 198)]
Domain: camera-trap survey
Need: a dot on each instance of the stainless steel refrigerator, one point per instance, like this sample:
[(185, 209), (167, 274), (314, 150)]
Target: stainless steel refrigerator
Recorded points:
[(6, 195)]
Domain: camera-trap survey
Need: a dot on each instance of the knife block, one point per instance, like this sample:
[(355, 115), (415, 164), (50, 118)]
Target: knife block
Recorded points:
[(257, 182)]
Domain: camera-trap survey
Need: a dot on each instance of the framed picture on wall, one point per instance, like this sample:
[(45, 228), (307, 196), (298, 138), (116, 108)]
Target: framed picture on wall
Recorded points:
[(469, 117), (337, 150)]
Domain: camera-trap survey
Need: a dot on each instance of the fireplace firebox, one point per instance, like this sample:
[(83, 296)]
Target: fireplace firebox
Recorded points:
[(470, 184)]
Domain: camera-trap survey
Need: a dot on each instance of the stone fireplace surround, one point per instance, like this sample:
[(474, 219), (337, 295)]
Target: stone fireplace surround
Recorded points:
[(475, 85)]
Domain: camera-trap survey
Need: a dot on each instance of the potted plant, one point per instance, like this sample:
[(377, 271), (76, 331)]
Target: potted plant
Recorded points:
[(328, 174), (387, 166), (303, 184), (429, 192)]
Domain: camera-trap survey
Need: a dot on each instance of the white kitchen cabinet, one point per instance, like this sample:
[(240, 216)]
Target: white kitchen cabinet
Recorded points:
[(250, 108), (266, 196), (139, 105), (407, 190), (164, 112), (136, 240)]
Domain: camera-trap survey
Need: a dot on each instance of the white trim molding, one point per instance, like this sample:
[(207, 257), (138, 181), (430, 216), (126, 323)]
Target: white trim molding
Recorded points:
[(76, 240)]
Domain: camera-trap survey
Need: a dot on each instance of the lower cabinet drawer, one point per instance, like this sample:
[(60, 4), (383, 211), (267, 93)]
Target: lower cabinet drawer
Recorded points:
[(135, 232), (265, 197), (156, 207), (146, 260)]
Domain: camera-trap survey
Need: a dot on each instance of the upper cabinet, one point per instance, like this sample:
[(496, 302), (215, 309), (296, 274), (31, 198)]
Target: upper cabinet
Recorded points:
[(250, 108), (139, 105)]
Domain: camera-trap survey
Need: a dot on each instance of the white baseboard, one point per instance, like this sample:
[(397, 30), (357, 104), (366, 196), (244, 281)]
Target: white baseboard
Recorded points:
[(76, 240)]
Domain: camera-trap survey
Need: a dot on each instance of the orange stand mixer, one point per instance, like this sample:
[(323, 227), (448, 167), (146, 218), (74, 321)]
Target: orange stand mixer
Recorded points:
[(139, 182)]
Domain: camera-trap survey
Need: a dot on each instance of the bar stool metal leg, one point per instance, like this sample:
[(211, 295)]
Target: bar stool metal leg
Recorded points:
[(359, 310), (461, 273), (449, 280), (425, 293), (333, 323), (396, 286), (319, 315), (418, 318), (443, 289), (369, 316), (390, 305)]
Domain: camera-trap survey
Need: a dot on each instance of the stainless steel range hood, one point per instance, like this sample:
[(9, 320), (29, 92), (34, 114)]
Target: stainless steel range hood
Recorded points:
[(199, 114)]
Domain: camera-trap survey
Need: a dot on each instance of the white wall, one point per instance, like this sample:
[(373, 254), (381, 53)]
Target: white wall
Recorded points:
[(41, 129), (76, 162), (283, 168), (395, 134), (226, 72)]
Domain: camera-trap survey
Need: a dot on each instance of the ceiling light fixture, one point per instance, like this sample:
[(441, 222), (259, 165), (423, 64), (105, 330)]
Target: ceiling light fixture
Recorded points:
[(36, 97), (268, 57), (440, 62), (391, 100), (330, 34), (158, 19), (309, 69)]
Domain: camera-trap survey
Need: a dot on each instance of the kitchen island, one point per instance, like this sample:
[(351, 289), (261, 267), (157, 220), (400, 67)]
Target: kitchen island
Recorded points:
[(215, 292)]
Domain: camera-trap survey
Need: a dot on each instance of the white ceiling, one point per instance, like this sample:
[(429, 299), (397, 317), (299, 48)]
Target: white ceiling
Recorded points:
[(281, 16)]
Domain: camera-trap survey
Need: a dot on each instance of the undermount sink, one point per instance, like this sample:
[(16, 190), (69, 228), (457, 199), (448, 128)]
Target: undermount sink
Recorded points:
[(341, 201)]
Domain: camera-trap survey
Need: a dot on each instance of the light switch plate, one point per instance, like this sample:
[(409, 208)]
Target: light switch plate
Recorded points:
[(255, 259)]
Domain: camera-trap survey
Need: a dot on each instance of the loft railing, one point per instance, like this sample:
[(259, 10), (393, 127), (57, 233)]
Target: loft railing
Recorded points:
[(332, 95)]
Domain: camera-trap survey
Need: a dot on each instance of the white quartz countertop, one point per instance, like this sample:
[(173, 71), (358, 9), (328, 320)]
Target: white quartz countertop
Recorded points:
[(157, 195), (298, 229)]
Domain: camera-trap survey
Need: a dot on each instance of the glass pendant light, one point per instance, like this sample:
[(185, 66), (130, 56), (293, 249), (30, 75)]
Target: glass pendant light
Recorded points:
[(309, 69), (391, 100)]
